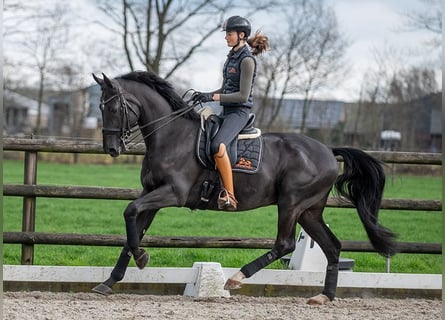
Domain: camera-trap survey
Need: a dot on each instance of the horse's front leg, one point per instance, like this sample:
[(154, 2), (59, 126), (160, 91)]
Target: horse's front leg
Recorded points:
[(143, 223), (117, 274), (155, 200)]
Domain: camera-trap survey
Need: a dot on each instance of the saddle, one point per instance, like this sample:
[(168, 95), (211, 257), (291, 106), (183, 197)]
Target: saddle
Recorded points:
[(244, 151)]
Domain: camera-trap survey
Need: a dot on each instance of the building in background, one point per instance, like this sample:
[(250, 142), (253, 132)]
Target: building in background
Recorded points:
[(64, 114), (418, 122), (20, 114)]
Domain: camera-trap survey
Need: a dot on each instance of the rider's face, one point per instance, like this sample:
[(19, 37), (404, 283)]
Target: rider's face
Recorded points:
[(231, 38)]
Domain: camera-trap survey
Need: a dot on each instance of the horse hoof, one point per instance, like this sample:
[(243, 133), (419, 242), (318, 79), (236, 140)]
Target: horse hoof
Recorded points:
[(232, 285), (102, 289), (318, 300), (142, 261)]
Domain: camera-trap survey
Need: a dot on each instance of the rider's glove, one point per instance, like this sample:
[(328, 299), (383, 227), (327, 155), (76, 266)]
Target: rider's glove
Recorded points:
[(202, 97)]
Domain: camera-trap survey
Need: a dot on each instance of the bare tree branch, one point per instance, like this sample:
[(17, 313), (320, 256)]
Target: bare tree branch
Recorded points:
[(154, 31), (428, 19), (125, 7), (44, 45), (311, 54)]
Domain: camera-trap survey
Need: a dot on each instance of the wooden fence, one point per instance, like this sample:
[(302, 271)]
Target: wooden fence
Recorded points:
[(30, 190)]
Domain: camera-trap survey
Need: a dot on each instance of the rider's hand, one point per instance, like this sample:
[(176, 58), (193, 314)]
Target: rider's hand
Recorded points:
[(202, 97)]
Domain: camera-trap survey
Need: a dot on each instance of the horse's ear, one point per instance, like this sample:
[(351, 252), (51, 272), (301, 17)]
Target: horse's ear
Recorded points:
[(98, 80), (107, 81)]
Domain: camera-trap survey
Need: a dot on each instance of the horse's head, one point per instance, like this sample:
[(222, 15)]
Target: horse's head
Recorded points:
[(119, 115)]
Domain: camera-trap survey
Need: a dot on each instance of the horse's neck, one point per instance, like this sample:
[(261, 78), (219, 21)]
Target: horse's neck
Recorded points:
[(156, 120), (159, 124)]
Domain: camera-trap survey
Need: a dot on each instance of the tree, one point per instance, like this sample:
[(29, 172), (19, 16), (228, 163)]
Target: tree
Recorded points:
[(406, 91), (162, 35), (322, 59), (429, 18), (391, 98), (375, 97), (307, 57), (44, 44)]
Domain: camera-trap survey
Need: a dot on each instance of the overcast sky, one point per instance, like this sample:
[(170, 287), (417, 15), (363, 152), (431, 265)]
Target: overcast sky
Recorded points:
[(369, 25)]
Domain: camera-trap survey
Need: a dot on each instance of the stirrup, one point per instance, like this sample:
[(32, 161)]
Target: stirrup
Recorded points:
[(227, 201)]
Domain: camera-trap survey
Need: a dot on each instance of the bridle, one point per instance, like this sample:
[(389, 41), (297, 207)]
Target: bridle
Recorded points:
[(126, 130)]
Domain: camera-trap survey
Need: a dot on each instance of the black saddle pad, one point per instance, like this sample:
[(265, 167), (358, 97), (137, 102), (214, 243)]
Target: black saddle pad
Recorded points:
[(245, 154), (249, 155)]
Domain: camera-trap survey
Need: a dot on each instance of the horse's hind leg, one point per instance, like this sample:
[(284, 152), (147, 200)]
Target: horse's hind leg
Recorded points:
[(284, 244), (312, 222), (143, 222)]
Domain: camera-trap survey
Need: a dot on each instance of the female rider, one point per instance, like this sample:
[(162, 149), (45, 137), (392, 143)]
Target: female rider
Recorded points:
[(235, 96)]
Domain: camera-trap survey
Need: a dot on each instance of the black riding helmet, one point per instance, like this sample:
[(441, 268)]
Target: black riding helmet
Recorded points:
[(238, 24)]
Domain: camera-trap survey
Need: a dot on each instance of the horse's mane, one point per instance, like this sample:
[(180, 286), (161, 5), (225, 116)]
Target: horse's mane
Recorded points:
[(163, 87)]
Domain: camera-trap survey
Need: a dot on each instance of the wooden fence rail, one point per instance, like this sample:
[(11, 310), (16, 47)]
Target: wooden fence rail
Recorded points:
[(32, 238), (30, 190), (91, 147), (111, 193)]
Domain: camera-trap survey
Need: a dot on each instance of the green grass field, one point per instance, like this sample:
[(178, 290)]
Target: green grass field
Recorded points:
[(105, 217)]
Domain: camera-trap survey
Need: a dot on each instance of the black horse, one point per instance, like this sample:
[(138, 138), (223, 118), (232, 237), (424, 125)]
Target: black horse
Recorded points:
[(297, 174)]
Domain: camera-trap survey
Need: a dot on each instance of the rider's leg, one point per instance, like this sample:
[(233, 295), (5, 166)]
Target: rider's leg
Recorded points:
[(235, 118), (226, 198)]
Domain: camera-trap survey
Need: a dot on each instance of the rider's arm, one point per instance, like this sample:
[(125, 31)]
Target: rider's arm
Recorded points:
[(247, 67)]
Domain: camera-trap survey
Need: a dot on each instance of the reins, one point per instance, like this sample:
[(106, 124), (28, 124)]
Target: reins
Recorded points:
[(126, 129), (169, 118)]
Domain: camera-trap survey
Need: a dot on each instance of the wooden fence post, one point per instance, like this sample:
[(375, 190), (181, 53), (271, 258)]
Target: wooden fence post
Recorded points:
[(29, 205)]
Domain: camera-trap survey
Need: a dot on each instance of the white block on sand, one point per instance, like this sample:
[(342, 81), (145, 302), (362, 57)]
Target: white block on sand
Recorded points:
[(209, 281)]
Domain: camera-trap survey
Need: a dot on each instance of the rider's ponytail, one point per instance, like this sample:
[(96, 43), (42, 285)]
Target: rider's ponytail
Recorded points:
[(259, 43)]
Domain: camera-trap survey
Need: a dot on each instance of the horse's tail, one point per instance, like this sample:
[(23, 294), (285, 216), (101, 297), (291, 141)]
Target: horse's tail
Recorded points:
[(362, 182)]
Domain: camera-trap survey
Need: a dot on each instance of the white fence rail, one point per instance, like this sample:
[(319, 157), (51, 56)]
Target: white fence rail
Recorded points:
[(206, 279)]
